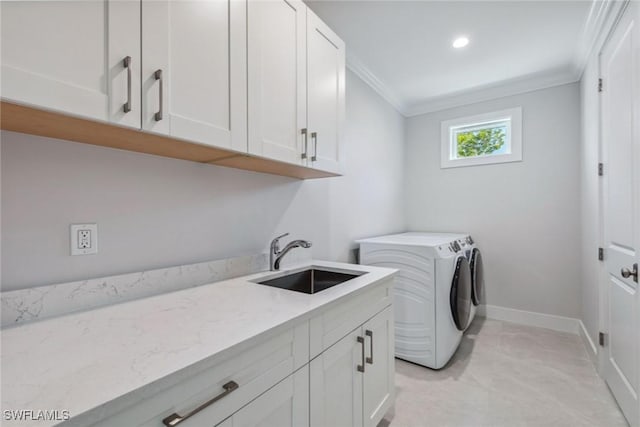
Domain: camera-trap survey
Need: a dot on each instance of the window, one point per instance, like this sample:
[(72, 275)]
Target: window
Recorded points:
[(483, 139)]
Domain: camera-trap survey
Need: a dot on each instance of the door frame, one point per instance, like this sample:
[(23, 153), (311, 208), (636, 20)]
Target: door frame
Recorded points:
[(603, 296)]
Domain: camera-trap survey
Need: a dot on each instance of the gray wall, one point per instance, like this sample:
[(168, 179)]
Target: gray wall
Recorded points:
[(154, 212), (525, 216)]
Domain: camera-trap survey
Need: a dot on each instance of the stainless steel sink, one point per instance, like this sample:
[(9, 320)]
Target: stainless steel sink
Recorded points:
[(310, 281)]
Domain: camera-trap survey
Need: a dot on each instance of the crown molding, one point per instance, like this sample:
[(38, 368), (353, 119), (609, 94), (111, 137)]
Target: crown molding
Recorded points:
[(602, 17), (493, 91), (362, 71)]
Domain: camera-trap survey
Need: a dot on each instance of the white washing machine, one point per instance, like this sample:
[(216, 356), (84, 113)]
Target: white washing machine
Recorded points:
[(432, 296)]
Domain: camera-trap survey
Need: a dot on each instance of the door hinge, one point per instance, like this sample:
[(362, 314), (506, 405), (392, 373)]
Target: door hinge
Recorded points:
[(600, 254), (601, 338), (600, 85), (600, 169)]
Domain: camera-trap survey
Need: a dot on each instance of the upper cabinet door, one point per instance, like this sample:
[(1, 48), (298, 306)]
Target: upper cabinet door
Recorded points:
[(277, 79), (194, 70), (326, 94), (69, 56)]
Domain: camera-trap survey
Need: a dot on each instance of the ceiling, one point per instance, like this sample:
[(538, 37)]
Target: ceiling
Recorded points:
[(403, 48)]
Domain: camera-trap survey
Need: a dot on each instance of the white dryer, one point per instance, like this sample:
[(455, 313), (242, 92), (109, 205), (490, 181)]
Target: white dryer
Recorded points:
[(432, 296), (474, 256), (468, 246)]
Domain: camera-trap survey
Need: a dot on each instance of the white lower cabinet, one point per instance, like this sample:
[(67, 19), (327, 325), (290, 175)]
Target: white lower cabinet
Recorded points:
[(213, 393), (352, 381), (379, 386), (335, 369), (336, 383)]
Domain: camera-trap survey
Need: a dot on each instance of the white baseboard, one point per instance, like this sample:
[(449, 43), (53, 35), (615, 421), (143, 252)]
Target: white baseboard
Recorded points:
[(589, 345), (530, 318)]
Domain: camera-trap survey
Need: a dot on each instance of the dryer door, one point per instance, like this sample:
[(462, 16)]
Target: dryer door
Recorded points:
[(460, 297), (477, 277)]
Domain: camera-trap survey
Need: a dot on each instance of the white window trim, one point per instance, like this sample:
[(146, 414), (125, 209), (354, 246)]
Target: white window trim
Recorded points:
[(515, 131)]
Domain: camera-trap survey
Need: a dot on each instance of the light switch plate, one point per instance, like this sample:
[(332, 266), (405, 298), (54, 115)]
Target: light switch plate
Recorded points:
[(84, 239)]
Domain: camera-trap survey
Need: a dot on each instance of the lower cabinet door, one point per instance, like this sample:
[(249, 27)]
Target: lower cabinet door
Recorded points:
[(336, 383), (379, 389), (284, 405)]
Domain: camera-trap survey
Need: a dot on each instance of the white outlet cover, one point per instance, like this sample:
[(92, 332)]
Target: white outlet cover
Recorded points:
[(84, 249)]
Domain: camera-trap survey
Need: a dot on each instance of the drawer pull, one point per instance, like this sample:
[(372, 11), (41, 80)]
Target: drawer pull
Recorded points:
[(370, 335), (361, 367), (175, 419)]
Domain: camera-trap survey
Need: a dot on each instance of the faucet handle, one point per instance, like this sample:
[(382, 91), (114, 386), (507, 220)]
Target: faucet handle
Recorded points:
[(275, 242), (281, 236)]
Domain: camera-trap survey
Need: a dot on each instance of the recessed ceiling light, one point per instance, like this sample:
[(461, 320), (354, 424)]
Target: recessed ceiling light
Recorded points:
[(460, 42)]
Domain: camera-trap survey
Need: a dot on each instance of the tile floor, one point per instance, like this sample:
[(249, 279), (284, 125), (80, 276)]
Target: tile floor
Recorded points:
[(507, 375)]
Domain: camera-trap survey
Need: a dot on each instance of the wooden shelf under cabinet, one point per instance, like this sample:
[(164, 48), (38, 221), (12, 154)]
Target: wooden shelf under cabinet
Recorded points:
[(33, 121)]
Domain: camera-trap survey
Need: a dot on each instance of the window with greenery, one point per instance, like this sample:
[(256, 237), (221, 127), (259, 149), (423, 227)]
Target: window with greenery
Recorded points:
[(483, 139)]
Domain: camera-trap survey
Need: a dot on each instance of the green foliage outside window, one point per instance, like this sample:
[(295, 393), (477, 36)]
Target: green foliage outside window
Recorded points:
[(480, 142)]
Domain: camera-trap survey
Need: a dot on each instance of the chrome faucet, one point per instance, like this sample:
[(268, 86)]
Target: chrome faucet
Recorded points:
[(275, 254)]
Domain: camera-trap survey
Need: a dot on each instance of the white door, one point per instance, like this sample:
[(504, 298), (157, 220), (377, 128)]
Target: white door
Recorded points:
[(194, 70), (284, 405), (620, 68), (379, 386), (326, 92), (277, 79), (69, 56), (336, 383)]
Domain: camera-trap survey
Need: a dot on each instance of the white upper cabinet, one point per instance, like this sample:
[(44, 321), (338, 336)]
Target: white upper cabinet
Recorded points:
[(263, 77), (69, 56), (296, 85), (277, 78), (194, 70), (326, 94)]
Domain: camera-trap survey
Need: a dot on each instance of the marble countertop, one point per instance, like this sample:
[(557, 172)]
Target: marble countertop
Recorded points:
[(96, 363)]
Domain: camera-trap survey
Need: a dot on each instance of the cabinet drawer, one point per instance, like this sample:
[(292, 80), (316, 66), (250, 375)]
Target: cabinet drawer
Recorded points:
[(329, 327), (254, 369)]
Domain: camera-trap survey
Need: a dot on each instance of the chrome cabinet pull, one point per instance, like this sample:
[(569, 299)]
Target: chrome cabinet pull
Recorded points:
[(175, 419), (633, 273), (361, 367), (304, 135), (158, 76), (370, 335), (314, 138), (127, 64)]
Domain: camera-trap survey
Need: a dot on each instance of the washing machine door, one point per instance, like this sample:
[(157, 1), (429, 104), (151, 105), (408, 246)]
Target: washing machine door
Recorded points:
[(460, 297), (477, 276)]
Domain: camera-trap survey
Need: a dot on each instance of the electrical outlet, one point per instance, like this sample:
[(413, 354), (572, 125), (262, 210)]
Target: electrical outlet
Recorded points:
[(84, 239)]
